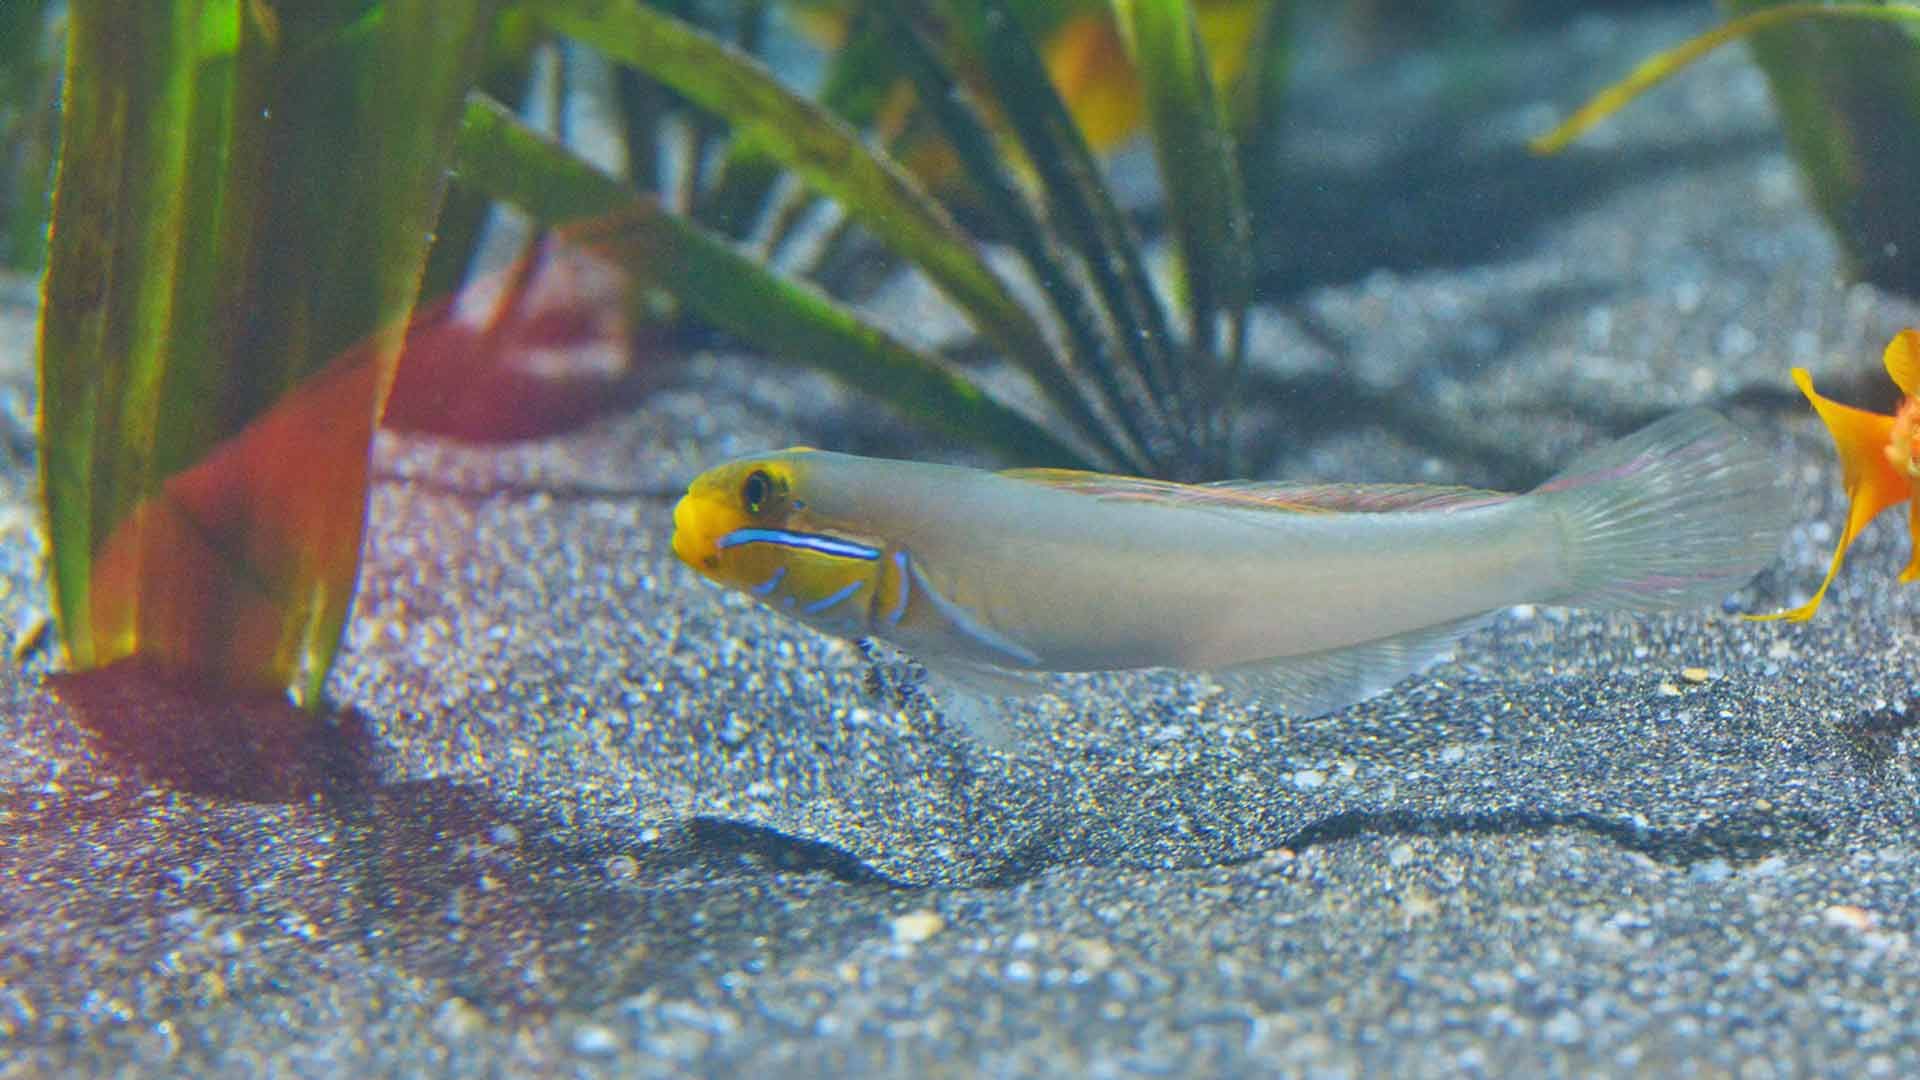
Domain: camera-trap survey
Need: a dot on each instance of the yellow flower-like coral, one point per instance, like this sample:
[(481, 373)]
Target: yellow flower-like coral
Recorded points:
[(1879, 459)]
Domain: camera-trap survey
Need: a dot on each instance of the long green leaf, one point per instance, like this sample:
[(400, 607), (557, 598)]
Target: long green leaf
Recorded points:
[(242, 197), (1013, 216), (1663, 65), (1071, 180), (855, 87), (1256, 101), (81, 383), (22, 39), (1206, 203), (860, 73), (1848, 95), (464, 215), (28, 67), (499, 155), (829, 156)]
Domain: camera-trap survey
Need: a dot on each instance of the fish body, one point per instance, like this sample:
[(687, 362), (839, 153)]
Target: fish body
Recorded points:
[(1313, 595)]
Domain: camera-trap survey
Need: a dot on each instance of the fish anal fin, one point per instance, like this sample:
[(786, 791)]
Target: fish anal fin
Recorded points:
[(1316, 683)]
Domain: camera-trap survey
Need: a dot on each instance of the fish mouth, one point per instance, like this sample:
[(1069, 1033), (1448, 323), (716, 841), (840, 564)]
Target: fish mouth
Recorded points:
[(693, 542)]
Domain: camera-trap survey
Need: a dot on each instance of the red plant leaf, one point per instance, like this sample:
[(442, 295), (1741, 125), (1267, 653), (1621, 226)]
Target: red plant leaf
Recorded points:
[(537, 349), (226, 568)]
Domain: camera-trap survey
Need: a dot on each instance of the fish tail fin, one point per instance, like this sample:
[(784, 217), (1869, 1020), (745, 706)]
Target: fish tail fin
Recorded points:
[(1677, 515)]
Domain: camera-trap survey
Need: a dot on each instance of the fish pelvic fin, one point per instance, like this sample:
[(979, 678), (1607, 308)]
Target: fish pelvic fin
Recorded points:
[(975, 696), (1677, 515), (1316, 683)]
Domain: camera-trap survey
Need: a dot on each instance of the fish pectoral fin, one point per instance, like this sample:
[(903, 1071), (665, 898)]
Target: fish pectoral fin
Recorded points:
[(975, 695), (1315, 683)]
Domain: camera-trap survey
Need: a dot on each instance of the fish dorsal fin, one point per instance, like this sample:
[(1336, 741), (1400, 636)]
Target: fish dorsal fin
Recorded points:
[(1360, 498), (1278, 496), (1321, 682)]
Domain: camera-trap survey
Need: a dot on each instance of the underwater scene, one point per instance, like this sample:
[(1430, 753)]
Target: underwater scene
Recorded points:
[(959, 537)]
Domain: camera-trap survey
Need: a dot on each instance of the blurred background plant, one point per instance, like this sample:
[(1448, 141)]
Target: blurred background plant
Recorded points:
[(29, 128), (964, 92), (1845, 79)]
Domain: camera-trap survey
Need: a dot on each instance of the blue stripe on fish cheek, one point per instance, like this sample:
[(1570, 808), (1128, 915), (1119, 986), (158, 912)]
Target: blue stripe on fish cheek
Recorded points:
[(826, 603), (766, 587), (900, 566), (817, 542)]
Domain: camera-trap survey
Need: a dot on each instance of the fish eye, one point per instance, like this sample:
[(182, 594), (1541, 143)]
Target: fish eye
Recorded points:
[(756, 491)]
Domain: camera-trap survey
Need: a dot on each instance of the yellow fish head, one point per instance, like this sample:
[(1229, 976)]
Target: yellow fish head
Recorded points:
[(719, 504), (747, 525)]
